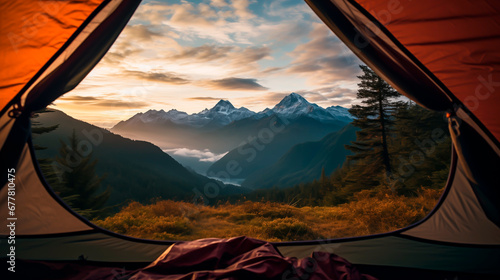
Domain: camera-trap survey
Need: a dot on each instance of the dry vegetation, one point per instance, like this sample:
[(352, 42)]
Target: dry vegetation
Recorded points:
[(368, 213)]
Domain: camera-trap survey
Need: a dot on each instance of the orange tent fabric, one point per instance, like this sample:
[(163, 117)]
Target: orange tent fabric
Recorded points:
[(32, 33), (458, 41)]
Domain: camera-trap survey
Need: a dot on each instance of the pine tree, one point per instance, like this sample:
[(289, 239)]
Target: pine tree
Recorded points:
[(423, 149), (37, 129), (323, 180), (78, 182), (371, 156)]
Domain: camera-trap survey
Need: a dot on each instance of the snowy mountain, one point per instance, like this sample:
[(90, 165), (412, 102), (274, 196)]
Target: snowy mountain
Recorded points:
[(223, 113), (293, 106)]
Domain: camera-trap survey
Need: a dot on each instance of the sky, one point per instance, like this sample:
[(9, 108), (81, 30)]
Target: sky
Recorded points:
[(187, 55)]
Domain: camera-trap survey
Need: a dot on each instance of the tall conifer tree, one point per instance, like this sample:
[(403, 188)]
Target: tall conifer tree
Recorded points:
[(371, 155), (78, 183), (422, 146)]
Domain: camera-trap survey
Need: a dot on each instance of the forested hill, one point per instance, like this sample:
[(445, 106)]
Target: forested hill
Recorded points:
[(135, 170), (420, 155), (304, 162)]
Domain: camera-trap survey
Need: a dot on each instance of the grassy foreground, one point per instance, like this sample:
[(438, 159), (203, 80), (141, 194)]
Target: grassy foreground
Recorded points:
[(367, 213)]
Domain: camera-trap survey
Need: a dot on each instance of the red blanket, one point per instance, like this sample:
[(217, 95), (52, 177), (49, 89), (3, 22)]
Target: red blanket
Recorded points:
[(235, 258)]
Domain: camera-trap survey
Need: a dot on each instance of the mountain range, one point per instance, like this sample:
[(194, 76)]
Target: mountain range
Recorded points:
[(223, 113), (225, 131)]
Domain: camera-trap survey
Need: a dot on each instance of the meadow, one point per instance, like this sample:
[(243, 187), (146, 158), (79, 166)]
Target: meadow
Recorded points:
[(368, 212)]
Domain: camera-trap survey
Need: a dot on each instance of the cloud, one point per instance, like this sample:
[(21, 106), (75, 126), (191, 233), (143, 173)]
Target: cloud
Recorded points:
[(188, 14), (241, 9), (206, 98), (154, 13), (213, 159), (165, 77), (203, 155), (289, 9), (233, 56), (268, 99), (220, 21), (203, 53), (271, 70), (218, 3), (78, 98), (331, 95), (121, 104), (141, 32), (103, 102), (234, 84), (251, 54), (285, 32), (121, 49), (274, 97), (324, 59)]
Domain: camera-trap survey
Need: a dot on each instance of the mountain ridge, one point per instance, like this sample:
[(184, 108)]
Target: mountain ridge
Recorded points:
[(224, 129), (304, 162), (223, 113)]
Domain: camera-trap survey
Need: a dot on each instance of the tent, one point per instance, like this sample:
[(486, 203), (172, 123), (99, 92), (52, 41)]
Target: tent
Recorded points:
[(445, 55)]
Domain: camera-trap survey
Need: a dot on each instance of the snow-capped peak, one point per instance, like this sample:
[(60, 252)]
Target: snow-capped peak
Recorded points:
[(224, 113), (294, 105), (153, 116), (291, 100), (223, 104), (223, 107)]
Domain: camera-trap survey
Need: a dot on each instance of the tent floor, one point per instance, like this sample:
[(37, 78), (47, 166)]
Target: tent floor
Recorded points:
[(398, 273), (69, 270)]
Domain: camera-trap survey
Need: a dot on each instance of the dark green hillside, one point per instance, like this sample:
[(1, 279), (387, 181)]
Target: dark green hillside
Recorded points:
[(304, 162), (135, 170), (261, 152), (164, 134)]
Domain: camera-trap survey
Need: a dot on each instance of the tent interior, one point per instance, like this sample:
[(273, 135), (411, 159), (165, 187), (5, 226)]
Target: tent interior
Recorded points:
[(444, 55)]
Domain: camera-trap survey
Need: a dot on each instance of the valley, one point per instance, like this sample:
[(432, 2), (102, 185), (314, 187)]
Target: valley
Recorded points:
[(231, 143)]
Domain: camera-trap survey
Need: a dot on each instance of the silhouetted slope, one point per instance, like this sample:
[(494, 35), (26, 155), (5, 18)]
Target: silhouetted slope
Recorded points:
[(304, 162), (267, 146), (135, 170)]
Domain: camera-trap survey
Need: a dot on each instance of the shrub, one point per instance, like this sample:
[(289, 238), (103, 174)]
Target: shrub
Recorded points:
[(166, 208), (171, 225), (288, 229), (242, 218), (376, 212)]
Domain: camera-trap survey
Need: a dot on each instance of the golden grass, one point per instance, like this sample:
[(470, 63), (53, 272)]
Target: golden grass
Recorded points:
[(368, 213)]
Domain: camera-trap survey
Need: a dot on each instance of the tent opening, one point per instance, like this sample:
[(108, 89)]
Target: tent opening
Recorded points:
[(241, 122), (216, 118)]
